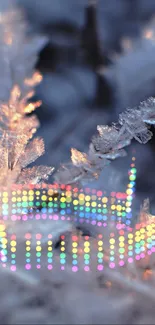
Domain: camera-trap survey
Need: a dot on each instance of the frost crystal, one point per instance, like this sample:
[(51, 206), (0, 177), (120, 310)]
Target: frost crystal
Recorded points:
[(17, 150)]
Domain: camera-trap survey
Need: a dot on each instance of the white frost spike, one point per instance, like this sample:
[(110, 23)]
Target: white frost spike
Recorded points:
[(131, 120)]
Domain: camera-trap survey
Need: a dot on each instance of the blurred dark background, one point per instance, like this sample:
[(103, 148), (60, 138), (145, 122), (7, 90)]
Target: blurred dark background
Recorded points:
[(99, 59)]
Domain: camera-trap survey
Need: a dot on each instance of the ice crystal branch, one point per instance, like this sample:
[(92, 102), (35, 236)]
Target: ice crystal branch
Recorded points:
[(17, 150), (109, 144)]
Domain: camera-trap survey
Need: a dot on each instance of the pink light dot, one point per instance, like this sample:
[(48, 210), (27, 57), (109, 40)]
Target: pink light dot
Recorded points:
[(28, 266), (38, 267), (74, 268), (121, 263), (37, 216), (86, 268), (142, 255), (24, 217), (149, 252), (4, 265), (38, 236), (50, 217), (5, 217), (100, 267), (137, 257), (112, 265), (50, 267), (62, 268), (104, 224), (99, 224), (44, 216), (28, 236), (13, 218), (50, 236), (153, 249), (93, 222), (13, 268), (19, 217), (130, 260), (55, 217), (62, 218), (68, 218)]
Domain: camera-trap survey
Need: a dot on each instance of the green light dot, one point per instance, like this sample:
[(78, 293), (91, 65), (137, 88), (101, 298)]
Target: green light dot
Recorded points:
[(99, 210), (24, 204), (123, 214), (121, 250), (93, 210), (100, 255), (75, 256), (28, 254), (104, 210), (62, 255), (50, 204), (87, 209), (133, 170), (49, 254), (63, 205), (86, 256), (13, 255), (38, 254)]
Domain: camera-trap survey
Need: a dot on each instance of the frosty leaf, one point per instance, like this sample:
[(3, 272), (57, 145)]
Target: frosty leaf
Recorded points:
[(68, 174), (147, 109), (131, 120), (78, 158), (33, 150), (34, 175)]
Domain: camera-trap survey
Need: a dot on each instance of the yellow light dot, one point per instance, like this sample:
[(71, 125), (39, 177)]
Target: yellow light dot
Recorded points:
[(31, 192), (129, 191), (81, 202), (44, 197), (112, 246), (121, 244), (14, 199), (128, 204), (100, 249), (137, 239), (2, 227), (49, 248), (5, 194), (28, 242), (74, 244), (13, 193), (81, 196), (24, 192), (2, 233), (87, 243), (130, 242), (62, 249), (130, 236), (113, 207), (63, 199), (19, 199), (104, 199), (68, 193), (142, 230), (87, 204), (121, 238), (38, 242), (68, 199), (24, 198), (74, 250), (93, 204), (37, 193), (112, 241), (13, 243), (119, 207), (4, 241), (87, 198), (5, 200), (86, 250), (149, 227), (13, 249), (38, 249), (31, 198)]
